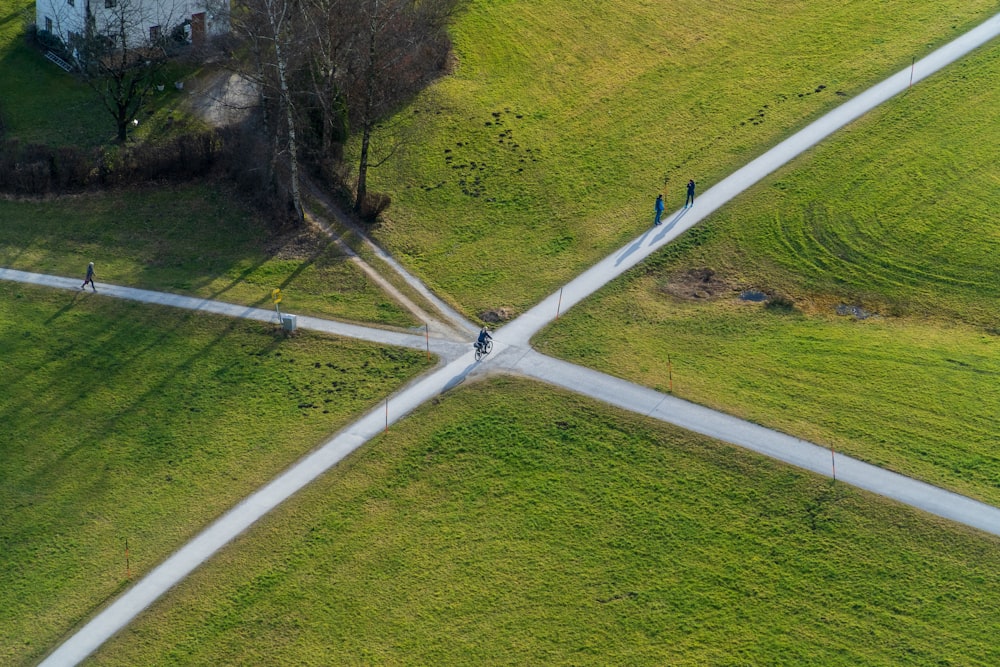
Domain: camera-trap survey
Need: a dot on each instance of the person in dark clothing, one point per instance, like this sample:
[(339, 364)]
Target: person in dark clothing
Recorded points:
[(89, 278), (690, 196), (659, 209), (484, 335)]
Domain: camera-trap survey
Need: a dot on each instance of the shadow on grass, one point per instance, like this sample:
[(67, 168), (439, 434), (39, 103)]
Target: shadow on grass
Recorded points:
[(13, 16), (151, 279), (66, 308), (84, 383)]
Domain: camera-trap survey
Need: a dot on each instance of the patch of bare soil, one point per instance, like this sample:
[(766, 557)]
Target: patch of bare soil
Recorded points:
[(497, 315), (302, 243), (697, 284), (221, 98)]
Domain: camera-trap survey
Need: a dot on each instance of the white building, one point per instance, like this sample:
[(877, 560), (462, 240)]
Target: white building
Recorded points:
[(141, 20)]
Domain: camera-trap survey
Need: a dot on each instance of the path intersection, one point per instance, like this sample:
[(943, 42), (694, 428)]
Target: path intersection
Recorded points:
[(513, 354)]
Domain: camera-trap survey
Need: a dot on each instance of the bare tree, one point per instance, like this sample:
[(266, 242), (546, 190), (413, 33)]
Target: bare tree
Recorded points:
[(121, 55), (332, 39), (405, 45), (271, 29), (324, 68)]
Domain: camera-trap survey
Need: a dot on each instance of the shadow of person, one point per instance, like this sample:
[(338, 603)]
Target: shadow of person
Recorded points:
[(632, 248), (670, 225)]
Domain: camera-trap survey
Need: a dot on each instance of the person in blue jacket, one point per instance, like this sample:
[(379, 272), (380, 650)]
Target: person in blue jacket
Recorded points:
[(484, 335), (659, 209), (690, 197)]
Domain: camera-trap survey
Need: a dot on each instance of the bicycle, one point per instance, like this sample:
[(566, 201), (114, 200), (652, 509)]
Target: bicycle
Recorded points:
[(482, 349)]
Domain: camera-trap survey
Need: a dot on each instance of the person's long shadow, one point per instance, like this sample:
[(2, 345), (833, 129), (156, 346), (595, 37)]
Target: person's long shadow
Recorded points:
[(632, 248), (670, 225), (67, 307), (459, 377)]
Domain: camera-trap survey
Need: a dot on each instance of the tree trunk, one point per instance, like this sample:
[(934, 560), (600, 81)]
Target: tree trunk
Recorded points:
[(359, 200), (366, 119), (293, 153)]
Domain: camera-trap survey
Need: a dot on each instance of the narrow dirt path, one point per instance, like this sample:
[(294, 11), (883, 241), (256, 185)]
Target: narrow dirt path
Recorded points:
[(222, 98), (453, 321)]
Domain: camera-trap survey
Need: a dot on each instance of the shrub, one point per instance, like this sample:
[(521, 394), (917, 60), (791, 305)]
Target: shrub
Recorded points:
[(373, 206), (779, 303), (46, 41)]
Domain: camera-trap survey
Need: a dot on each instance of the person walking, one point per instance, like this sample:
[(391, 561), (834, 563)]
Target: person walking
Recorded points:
[(690, 196), (89, 278), (659, 209)]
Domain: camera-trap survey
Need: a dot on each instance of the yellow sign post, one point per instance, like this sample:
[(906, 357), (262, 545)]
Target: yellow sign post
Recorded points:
[(276, 299)]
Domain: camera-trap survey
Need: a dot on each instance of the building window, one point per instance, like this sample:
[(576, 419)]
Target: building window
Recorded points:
[(48, 24), (154, 33)]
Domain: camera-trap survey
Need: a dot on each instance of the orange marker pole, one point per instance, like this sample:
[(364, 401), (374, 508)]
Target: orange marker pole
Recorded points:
[(559, 305), (833, 463), (912, 65)]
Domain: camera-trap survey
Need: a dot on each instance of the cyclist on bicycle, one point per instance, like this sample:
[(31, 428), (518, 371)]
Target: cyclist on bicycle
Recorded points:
[(484, 337)]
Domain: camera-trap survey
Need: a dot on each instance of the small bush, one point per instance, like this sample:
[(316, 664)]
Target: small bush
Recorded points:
[(779, 303), (46, 41), (373, 205)]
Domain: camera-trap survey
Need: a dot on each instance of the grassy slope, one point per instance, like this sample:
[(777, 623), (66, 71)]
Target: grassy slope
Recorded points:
[(126, 421), (897, 214), (565, 117), (515, 525), (190, 239)]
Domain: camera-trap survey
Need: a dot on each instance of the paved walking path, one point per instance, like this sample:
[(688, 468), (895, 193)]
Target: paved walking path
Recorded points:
[(513, 352), (680, 221), (718, 425), (449, 349)]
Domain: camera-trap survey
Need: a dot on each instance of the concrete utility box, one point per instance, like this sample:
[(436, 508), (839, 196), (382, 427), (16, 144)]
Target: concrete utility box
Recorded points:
[(288, 322)]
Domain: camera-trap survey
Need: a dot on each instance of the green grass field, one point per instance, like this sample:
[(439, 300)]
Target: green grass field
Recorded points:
[(192, 239), (511, 524), (124, 421), (895, 215), (508, 523), (564, 118)]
